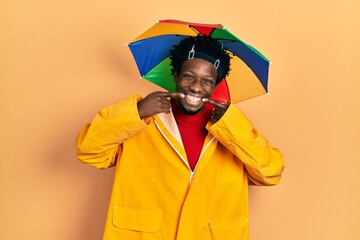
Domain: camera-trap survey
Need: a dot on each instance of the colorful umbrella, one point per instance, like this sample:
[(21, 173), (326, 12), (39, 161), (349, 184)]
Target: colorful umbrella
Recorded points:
[(249, 68)]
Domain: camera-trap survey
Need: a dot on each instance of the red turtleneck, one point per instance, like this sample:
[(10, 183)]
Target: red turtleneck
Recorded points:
[(192, 130)]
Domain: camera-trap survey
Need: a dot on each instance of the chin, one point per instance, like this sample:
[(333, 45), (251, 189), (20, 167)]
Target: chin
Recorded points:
[(191, 110)]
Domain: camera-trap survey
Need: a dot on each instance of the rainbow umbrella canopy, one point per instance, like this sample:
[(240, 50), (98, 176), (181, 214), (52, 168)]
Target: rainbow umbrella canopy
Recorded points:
[(249, 68)]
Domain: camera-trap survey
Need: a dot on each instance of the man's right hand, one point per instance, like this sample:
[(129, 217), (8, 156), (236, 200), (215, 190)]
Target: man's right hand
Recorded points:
[(157, 102)]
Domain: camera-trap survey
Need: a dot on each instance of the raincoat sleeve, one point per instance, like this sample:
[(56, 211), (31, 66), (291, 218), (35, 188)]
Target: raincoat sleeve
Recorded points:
[(99, 142), (235, 131)]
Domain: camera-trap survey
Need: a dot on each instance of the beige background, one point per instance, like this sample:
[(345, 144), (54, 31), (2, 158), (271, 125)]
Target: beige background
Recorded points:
[(60, 61)]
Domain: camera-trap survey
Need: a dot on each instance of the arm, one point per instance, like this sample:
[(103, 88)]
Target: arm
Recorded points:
[(99, 143), (236, 132)]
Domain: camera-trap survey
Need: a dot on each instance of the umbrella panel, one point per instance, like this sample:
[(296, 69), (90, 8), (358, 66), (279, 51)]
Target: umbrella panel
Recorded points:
[(161, 75), (151, 51), (242, 82), (160, 29)]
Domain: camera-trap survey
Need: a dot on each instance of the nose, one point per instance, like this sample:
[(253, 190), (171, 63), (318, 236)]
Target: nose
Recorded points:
[(196, 86)]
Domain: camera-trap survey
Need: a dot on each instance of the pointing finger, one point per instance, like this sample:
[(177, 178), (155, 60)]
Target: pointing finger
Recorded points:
[(174, 95), (216, 104)]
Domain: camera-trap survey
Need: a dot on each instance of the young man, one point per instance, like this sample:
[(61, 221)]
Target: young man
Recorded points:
[(183, 162)]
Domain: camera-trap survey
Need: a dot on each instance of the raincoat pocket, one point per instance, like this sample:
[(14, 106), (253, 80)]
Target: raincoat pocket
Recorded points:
[(229, 229), (137, 219)]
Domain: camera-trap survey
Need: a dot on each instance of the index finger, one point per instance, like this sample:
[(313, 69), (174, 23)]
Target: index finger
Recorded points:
[(215, 103), (174, 95)]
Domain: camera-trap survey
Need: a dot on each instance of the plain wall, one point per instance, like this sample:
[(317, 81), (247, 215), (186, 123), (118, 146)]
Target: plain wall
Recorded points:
[(61, 61)]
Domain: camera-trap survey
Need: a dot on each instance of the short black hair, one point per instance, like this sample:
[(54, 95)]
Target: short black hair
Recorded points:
[(203, 44)]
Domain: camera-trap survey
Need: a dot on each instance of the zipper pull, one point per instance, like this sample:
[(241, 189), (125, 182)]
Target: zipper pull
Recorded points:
[(191, 176)]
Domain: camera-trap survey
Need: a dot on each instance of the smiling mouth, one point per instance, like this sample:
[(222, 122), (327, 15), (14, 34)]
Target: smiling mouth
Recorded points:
[(193, 99)]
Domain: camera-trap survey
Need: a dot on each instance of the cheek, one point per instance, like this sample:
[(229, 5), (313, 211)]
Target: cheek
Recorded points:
[(180, 84), (210, 90)]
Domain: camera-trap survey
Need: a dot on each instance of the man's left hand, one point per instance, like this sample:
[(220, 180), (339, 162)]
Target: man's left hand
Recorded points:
[(219, 111)]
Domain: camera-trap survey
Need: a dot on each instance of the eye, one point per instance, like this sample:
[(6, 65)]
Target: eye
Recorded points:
[(209, 82), (187, 76)]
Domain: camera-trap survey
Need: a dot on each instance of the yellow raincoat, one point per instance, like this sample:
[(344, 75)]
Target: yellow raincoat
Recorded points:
[(156, 195)]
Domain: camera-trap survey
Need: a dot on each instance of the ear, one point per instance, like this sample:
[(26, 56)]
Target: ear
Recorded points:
[(175, 76)]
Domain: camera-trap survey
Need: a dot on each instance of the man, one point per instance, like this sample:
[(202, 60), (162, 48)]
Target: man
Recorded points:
[(183, 161)]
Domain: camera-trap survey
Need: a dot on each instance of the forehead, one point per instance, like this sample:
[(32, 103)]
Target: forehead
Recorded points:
[(198, 64)]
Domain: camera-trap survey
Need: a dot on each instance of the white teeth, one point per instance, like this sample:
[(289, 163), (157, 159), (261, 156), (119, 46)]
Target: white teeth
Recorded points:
[(193, 99)]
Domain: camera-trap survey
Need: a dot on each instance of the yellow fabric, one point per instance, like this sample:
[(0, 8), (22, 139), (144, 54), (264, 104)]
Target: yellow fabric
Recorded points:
[(156, 196)]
